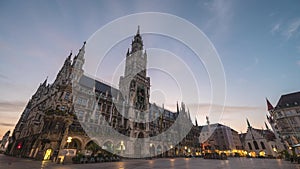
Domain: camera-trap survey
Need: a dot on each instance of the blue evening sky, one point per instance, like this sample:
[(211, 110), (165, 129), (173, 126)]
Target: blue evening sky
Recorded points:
[(258, 43)]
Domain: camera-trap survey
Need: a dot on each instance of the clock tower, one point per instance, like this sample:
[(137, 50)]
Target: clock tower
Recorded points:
[(135, 87)]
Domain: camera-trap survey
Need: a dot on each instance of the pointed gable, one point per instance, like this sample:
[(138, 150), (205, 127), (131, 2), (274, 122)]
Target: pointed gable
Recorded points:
[(269, 105)]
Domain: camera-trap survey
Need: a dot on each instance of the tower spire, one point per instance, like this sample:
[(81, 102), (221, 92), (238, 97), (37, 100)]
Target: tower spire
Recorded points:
[(250, 128), (82, 49), (177, 107), (69, 57), (137, 43), (45, 82), (208, 124), (127, 54), (80, 56), (196, 122), (248, 123), (189, 115)]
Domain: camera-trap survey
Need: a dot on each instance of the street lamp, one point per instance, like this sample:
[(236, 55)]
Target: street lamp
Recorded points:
[(122, 145), (151, 149), (185, 148), (172, 151)]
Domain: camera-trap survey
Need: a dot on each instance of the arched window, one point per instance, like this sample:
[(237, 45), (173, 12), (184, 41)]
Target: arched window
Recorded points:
[(249, 145), (262, 145), (255, 145)]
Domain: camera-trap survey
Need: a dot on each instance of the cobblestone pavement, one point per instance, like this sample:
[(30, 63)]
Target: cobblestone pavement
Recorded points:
[(7, 162)]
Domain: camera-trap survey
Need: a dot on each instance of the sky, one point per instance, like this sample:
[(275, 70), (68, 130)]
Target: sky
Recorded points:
[(258, 43)]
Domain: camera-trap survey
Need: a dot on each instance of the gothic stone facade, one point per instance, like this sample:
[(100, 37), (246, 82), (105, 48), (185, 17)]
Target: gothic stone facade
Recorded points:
[(90, 111)]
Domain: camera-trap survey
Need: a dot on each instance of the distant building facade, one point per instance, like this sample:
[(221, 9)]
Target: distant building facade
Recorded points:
[(285, 119), (260, 142), (85, 111), (218, 137)]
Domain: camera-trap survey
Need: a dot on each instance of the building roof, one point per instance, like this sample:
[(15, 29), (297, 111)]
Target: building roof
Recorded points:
[(99, 86), (204, 128), (269, 105), (289, 100), (267, 134)]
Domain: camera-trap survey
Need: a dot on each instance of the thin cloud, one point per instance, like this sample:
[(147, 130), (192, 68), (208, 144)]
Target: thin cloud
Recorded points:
[(276, 28), (222, 14), (293, 29), (11, 106), (3, 77), (227, 108), (7, 124)]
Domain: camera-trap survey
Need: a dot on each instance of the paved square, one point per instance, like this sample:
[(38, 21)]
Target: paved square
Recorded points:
[(7, 162)]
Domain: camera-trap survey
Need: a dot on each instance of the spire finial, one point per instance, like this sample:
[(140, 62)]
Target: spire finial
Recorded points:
[(127, 52), (207, 120), (177, 107), (138, 30), (45, 82), (69, 57)]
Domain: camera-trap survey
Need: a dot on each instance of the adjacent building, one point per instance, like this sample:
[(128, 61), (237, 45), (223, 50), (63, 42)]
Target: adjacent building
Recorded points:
[(219, 137), (285, 119), (260, 142)]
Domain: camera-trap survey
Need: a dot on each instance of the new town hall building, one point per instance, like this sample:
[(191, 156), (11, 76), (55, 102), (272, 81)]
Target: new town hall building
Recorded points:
[(86, 115)]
